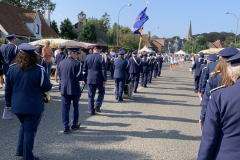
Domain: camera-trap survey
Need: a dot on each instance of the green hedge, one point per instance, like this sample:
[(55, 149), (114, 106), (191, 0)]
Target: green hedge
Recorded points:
[(1, 41)]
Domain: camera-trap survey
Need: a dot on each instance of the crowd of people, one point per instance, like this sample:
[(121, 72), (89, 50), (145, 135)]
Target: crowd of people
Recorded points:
[(216, 81), (27, 71)]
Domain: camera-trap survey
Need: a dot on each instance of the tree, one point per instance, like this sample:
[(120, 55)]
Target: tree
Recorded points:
[(154, 37), (54, 26), (34, 5), (67, 29), (200, 44), (103, 24), (81, 15), (88, 33), (130, 41), (228, 40), (125, 30), (187, 47), (112, 34), (163, 51), (231, 44)]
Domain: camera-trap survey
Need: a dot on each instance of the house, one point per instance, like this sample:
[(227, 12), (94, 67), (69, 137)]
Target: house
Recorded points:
[(162, 44), (27, 25), (77, 29), (146, 41), (217, 44)]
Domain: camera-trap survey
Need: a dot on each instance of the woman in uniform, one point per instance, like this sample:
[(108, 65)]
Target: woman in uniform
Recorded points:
[(25, 85)]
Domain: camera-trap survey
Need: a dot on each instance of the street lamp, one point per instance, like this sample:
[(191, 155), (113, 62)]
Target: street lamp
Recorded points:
[(118, 20), (153, 29), (236, 29)]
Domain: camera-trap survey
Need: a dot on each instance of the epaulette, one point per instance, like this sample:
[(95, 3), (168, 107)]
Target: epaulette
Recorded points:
[(12, 64), (215, 89), (212, 73)]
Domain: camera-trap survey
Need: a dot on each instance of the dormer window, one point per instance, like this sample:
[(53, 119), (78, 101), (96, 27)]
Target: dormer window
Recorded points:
[(37, 29)]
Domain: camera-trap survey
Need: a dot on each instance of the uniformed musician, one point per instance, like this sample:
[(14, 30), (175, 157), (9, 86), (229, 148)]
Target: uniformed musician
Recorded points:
[(145, 64), (196, 66), (155, 67), (221, 131), (70, 73), (135, 68), (40, 57), (8, 52), (95, 74), (59, 58), (160, 61), (25, 85), (120, 75), (150, 68), (111, 64)]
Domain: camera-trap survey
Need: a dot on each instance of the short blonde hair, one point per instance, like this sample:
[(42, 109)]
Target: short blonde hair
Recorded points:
[(234, 72)]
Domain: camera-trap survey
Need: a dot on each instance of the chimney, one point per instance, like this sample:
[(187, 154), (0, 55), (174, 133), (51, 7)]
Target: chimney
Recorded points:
[(47, 16), (149, 36)]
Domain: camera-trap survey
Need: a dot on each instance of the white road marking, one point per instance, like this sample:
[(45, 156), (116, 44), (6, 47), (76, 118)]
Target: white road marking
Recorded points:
[(139, 88)]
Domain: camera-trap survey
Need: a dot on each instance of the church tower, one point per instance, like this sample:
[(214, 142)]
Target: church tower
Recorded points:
[(189, 33)]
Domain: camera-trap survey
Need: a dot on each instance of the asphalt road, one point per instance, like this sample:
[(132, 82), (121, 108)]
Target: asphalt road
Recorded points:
[(160, 122)]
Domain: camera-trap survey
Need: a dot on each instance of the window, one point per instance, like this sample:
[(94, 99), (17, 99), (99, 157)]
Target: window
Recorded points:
[(37, 29)]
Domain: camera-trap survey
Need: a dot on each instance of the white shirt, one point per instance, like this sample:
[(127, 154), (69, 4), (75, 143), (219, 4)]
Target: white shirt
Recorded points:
[(56, 52), (112, 53)]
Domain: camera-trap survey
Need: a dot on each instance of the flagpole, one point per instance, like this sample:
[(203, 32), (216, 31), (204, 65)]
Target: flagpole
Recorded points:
[(141, 33)]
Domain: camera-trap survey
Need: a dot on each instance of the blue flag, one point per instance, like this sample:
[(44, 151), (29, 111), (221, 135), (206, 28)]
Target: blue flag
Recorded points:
[(138, 24)]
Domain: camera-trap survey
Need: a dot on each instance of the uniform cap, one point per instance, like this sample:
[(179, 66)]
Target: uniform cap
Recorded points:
[(61, 47), (73, 49), (159, 53), (234, 60), (97, 47), (228, 52), (39, 49), (10, 36), (120, 49), (150, 53), (135, 52), (201, 54), (27, 48), (121, 52), (144, 54), (212, 57)]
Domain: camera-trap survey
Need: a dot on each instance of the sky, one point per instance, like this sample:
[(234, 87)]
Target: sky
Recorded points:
[(171, 16)]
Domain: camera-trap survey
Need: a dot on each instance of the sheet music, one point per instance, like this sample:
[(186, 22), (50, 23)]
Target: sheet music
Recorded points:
[(7, 114)]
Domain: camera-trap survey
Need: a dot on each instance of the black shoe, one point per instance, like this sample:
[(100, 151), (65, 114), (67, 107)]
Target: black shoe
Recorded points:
[(135, 92), (93, 114), (36, 158), (66, 131), (145, 86), (19, 154), (116, 98), (120, 100), (97, 109), (77, 126)]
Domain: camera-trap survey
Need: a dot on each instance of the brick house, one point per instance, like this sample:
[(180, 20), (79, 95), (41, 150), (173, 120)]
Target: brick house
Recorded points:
[(27, 25), (217, 44), (146, 41)]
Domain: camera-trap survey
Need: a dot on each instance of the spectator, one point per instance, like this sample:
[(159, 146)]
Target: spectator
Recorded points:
[(112, 53), (48, 54), (90, 52), (81, 56)]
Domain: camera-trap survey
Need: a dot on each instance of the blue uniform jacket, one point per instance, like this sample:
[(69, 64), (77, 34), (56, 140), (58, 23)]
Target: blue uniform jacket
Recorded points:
[(220, 137), (7, 53), (128, 56), (151, 60), (42, 62), (203, 68), (197, 65), (135, 67), (95, 71), (70, 73), (213, 82), (155, 65), (121, 68), (160, 61), (60, 57), (145, 64), (210, 68), (24, 89)]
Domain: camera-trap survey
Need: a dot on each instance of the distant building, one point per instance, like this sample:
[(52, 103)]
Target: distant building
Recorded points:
[(101, 36), (146, 41), (217, 44), (27, 25)]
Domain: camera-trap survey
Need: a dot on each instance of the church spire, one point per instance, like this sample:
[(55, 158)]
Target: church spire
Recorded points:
[(189, 33)]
